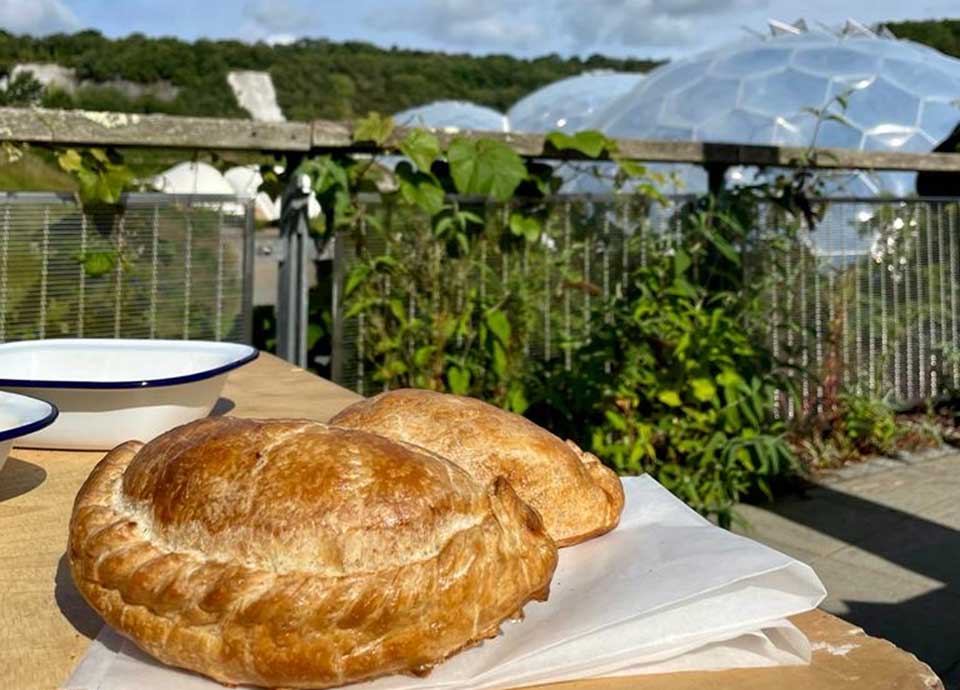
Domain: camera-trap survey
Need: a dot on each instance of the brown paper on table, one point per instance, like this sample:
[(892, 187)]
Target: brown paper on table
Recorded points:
[(665, 591)]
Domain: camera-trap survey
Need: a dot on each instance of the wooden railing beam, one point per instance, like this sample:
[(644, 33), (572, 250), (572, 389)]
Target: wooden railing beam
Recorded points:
[(84, 128)]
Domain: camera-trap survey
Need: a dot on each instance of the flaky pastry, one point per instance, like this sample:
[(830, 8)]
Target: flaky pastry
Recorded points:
[(576, 495), (295, 554)]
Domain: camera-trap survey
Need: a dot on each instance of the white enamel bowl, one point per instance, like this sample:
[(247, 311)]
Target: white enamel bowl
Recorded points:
[(20, 415), (111, 391)]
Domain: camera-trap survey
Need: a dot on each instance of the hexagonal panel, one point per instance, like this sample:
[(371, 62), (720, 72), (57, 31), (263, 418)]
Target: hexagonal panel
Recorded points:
[(835, 60), (671, 77), (838, 135), (896, 138), (752, 62), (883, 104), (938, 119), (634, 120), (793, 131), (919, 78), (459, 114), (738, 127), (701, 101), (570, 103), (784, 93)]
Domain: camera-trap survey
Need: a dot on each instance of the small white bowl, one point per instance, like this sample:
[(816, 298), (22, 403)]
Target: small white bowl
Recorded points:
[(21, 415), (111, 391)]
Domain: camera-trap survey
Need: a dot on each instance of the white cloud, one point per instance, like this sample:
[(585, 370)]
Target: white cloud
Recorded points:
[(37, 17), (492, 25), (640, 23), (578, 26), (271, 18), (701, 7), (280, 39)]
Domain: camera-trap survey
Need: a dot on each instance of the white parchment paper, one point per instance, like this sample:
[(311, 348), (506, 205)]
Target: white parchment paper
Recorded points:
[(665, 591)]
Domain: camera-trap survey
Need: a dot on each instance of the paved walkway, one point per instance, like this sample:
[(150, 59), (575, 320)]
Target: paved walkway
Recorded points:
[(885, 539)]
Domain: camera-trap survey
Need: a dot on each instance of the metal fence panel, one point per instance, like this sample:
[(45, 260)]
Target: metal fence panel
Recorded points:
[(868, 301), (157, 266)]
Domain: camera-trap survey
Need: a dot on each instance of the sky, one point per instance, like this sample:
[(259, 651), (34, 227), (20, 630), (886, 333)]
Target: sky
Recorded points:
[(623, 28)]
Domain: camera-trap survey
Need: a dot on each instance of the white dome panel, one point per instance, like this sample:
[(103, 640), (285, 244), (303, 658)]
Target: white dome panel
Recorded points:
[(453, 115), (834, 61), (750, 63), (883, 103), (785, 91), (568, 104), (761, 91), (702, 100)]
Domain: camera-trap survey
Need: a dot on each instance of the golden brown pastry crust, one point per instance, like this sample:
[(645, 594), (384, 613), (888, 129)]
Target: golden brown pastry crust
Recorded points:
[(577, 496), (290, 553)]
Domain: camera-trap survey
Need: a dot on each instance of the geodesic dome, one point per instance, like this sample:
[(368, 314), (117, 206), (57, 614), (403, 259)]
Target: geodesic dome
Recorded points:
[(192, 178), (453, 114), (759, 91), (569, 104)]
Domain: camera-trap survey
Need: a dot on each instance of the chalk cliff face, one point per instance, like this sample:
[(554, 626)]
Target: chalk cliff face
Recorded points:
[(54, 76), (255, 93), (49, 74)]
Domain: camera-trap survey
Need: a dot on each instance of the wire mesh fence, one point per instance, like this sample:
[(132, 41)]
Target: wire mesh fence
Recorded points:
[(868, 299), (156, 266)]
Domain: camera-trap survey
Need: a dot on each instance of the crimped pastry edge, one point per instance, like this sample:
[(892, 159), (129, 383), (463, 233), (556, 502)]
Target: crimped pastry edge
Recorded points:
[(120, 606)]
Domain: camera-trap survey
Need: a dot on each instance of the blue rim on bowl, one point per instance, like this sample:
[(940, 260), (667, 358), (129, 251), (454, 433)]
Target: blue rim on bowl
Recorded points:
[(141, 383), (29, 427)]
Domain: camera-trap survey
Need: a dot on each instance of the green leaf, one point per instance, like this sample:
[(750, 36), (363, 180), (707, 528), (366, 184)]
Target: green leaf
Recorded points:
[(729, 378), (357, 275), (590, 143), (443, 226), (467, 218), (703, 389), (681, 262), (315, 332), (516, 400), (397, 309), (632, 169), (499, 325), (422, 148), (838, 118), (723, 246), (420, 189), (99, 155), (525, 226), (374, 127), (423, 354), (499, 360), (70, 160), (96, 264), (616, 420), (458, 379), (669, 398), (485, 167)]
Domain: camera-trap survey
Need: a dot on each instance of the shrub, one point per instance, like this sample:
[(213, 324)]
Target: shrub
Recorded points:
[(868, 423), (673, 385)]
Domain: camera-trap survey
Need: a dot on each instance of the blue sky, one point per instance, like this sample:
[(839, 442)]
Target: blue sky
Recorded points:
[(640, 28)]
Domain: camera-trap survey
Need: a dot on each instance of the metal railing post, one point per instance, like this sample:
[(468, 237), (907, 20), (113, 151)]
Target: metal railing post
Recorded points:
[(337, 353), (292, 290), (249, 258)]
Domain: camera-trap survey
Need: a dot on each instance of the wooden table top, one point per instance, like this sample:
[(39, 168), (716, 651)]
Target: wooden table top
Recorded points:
[(45, 626)]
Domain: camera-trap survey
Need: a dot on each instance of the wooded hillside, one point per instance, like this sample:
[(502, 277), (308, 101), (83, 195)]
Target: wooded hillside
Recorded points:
[(314, 78), (942, 34)]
